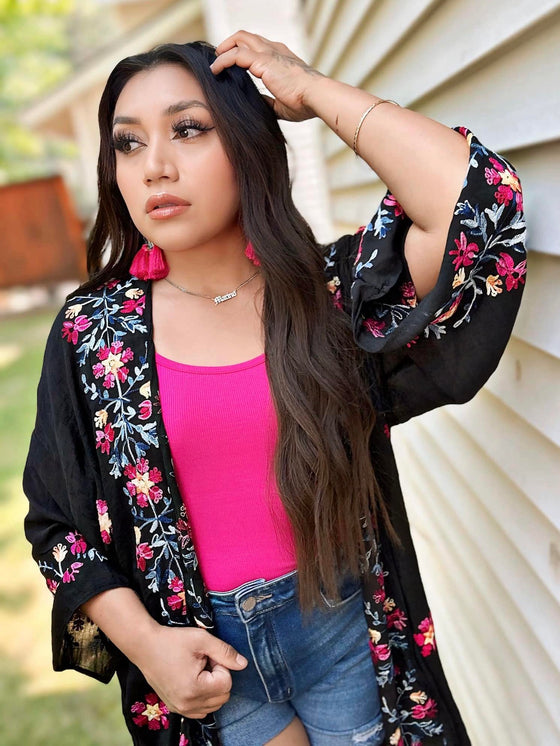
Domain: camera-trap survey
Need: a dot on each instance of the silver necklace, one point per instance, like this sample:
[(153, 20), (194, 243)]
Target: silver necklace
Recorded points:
[(217, 298)]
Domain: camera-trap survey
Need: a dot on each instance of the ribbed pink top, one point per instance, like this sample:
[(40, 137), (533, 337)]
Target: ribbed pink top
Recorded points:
[(222, 431)]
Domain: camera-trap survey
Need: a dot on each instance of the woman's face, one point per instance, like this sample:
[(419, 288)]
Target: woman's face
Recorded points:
[(172, 170)]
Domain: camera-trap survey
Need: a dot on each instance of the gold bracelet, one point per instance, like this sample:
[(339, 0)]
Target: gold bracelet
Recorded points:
[(364, 115)]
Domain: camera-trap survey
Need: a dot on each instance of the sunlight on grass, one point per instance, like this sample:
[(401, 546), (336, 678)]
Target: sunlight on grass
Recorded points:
[(46, 708)]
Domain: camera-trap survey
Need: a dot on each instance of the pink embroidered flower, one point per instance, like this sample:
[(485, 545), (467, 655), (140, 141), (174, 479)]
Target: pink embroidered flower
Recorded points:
[(425, 711), (379, 652), (374, 327), (77, 543), (142, 482), (396, 619), (504, 194), (390, 201), (408, 293), (183, 532), (145, 410), (387, 431), (178, 600), (112, 365), (492, 176), (379, 596), (465, 252), (425, 638), (183, 741), (153, 713), (513, 274), (71, 329), (52, 585), (105, 523), (134, 305), (143, 552), (74, 569), (104, 438)]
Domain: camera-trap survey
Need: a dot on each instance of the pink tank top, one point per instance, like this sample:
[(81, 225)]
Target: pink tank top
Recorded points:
[(222, 431)]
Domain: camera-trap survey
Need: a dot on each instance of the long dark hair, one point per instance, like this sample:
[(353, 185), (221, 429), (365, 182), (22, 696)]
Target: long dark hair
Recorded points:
[(325, 416)]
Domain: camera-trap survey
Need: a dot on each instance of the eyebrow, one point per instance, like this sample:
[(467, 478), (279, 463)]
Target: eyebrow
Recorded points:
[(173, 109)]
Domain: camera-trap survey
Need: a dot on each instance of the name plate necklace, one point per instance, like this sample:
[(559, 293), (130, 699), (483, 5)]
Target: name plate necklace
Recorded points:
[(216, 298)]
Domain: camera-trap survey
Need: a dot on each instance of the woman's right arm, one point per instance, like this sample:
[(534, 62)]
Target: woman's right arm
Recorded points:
[(188, 667)]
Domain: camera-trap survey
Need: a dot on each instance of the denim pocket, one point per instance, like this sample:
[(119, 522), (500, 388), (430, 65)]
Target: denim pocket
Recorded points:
[(349, 588)]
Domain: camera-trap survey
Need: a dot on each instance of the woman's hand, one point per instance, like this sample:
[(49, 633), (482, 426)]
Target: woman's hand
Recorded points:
[(285, 75), (189, 669)]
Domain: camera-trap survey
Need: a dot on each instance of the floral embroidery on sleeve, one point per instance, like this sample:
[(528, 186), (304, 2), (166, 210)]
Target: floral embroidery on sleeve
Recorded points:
[(152, 713), (68, 559)]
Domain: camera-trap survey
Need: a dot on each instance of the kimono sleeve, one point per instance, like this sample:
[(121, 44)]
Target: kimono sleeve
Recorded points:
[(63, 489), (443, 348)]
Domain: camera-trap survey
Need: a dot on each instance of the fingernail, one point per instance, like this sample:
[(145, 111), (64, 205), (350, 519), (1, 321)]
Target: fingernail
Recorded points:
[(241, 660)]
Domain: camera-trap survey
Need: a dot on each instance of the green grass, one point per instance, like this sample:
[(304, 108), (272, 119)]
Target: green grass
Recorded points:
[(38, 706)]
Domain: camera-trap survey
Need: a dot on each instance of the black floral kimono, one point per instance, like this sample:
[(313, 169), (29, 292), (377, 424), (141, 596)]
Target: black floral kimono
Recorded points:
[(105, 510)]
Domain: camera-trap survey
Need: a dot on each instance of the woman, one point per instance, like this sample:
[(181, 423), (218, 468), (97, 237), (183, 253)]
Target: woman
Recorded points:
[(223, 384)]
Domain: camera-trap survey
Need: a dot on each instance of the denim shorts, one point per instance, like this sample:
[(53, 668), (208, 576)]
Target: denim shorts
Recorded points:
[(317, 667)]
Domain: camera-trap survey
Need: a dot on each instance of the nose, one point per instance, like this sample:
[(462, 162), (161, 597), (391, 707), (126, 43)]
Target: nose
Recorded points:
[(159, 162)]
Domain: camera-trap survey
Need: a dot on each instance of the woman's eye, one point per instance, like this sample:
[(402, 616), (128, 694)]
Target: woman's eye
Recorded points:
[(190, 130), (125, 143)]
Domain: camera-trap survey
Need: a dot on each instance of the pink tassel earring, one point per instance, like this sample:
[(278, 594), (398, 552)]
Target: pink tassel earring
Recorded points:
[(250, 254), (149, 263)]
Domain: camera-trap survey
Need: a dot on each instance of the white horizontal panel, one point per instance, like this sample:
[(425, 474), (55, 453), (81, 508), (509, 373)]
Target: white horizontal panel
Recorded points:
[(463, 516), (477, 624), (350, 16), (502, 457), (506, 98), (381, 32), (528, 382), (539, 169), (482, 655), (537, 322)]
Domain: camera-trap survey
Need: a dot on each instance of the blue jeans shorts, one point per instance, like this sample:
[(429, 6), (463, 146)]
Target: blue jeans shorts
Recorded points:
[(317, 667)]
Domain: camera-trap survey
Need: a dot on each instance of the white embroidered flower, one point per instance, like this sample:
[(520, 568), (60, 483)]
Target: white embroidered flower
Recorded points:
[(134, 293), (146, 390), (59, 552), (101, 418), (459, 278), (72, 311)]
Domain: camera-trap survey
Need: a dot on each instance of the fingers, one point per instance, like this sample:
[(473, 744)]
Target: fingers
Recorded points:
[(220, 652), (243, 49)]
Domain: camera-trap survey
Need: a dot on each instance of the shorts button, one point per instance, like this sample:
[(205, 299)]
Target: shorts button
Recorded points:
[(248, 604)]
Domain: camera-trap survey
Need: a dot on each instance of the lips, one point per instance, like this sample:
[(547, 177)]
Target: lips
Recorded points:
[(163, 205)]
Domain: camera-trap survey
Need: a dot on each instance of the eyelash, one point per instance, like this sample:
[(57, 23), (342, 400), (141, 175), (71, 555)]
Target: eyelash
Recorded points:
[(122, 139)]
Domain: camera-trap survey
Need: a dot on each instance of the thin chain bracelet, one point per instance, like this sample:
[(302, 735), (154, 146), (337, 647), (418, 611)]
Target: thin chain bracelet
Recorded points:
[(364, 115)]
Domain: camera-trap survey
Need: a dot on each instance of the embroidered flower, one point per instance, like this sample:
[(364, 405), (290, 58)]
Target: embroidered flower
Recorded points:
[(143, 552), (72, 311), (513, 274), (397, 619), (134, 305), (374, 327), (493, 285), (77, 543), (112, 365), (396, 738), (59, 552), (390, 201), (465, 252), (427, 710), (459, 278), (177, 601), (74, 569), (105, 523), (71, 329), (52, 585), (425, 638), (100, 418), (153, 713), (142, 482), (104, 438), (146, 390), (145, 410), (408, 294), (183, 741), (419, 697), (379, 652)]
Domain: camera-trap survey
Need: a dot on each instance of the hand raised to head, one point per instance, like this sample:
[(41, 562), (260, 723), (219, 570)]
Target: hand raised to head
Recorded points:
[(285, 75)]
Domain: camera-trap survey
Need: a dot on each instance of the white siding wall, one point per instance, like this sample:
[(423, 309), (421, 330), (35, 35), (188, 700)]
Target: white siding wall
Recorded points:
[(481, 481)]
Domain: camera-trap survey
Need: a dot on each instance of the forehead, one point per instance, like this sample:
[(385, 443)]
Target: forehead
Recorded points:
[(158, 88)]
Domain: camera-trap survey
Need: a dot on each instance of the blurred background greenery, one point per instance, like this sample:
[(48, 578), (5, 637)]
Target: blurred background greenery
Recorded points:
[(41, 41)]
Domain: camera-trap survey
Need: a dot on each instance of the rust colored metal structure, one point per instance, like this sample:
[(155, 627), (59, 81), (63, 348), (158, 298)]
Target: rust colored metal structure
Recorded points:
[(41, 234)]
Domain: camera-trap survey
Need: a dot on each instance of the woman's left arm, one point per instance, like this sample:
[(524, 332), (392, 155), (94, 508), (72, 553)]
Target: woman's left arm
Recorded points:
[(404, 148)]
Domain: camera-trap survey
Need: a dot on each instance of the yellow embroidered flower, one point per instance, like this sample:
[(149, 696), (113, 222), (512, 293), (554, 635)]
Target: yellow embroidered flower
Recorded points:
[(333, 284), (137, 534), (419, 697), (72, 311), (145, 390), (101, 418), (59, 552), (493, 285), (389, 605), (375, 635), (511, 180), (395, 738), (134, 293), (459, 278)]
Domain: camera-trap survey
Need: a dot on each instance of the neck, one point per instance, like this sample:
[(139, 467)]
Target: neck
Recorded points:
[(213, 268)]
